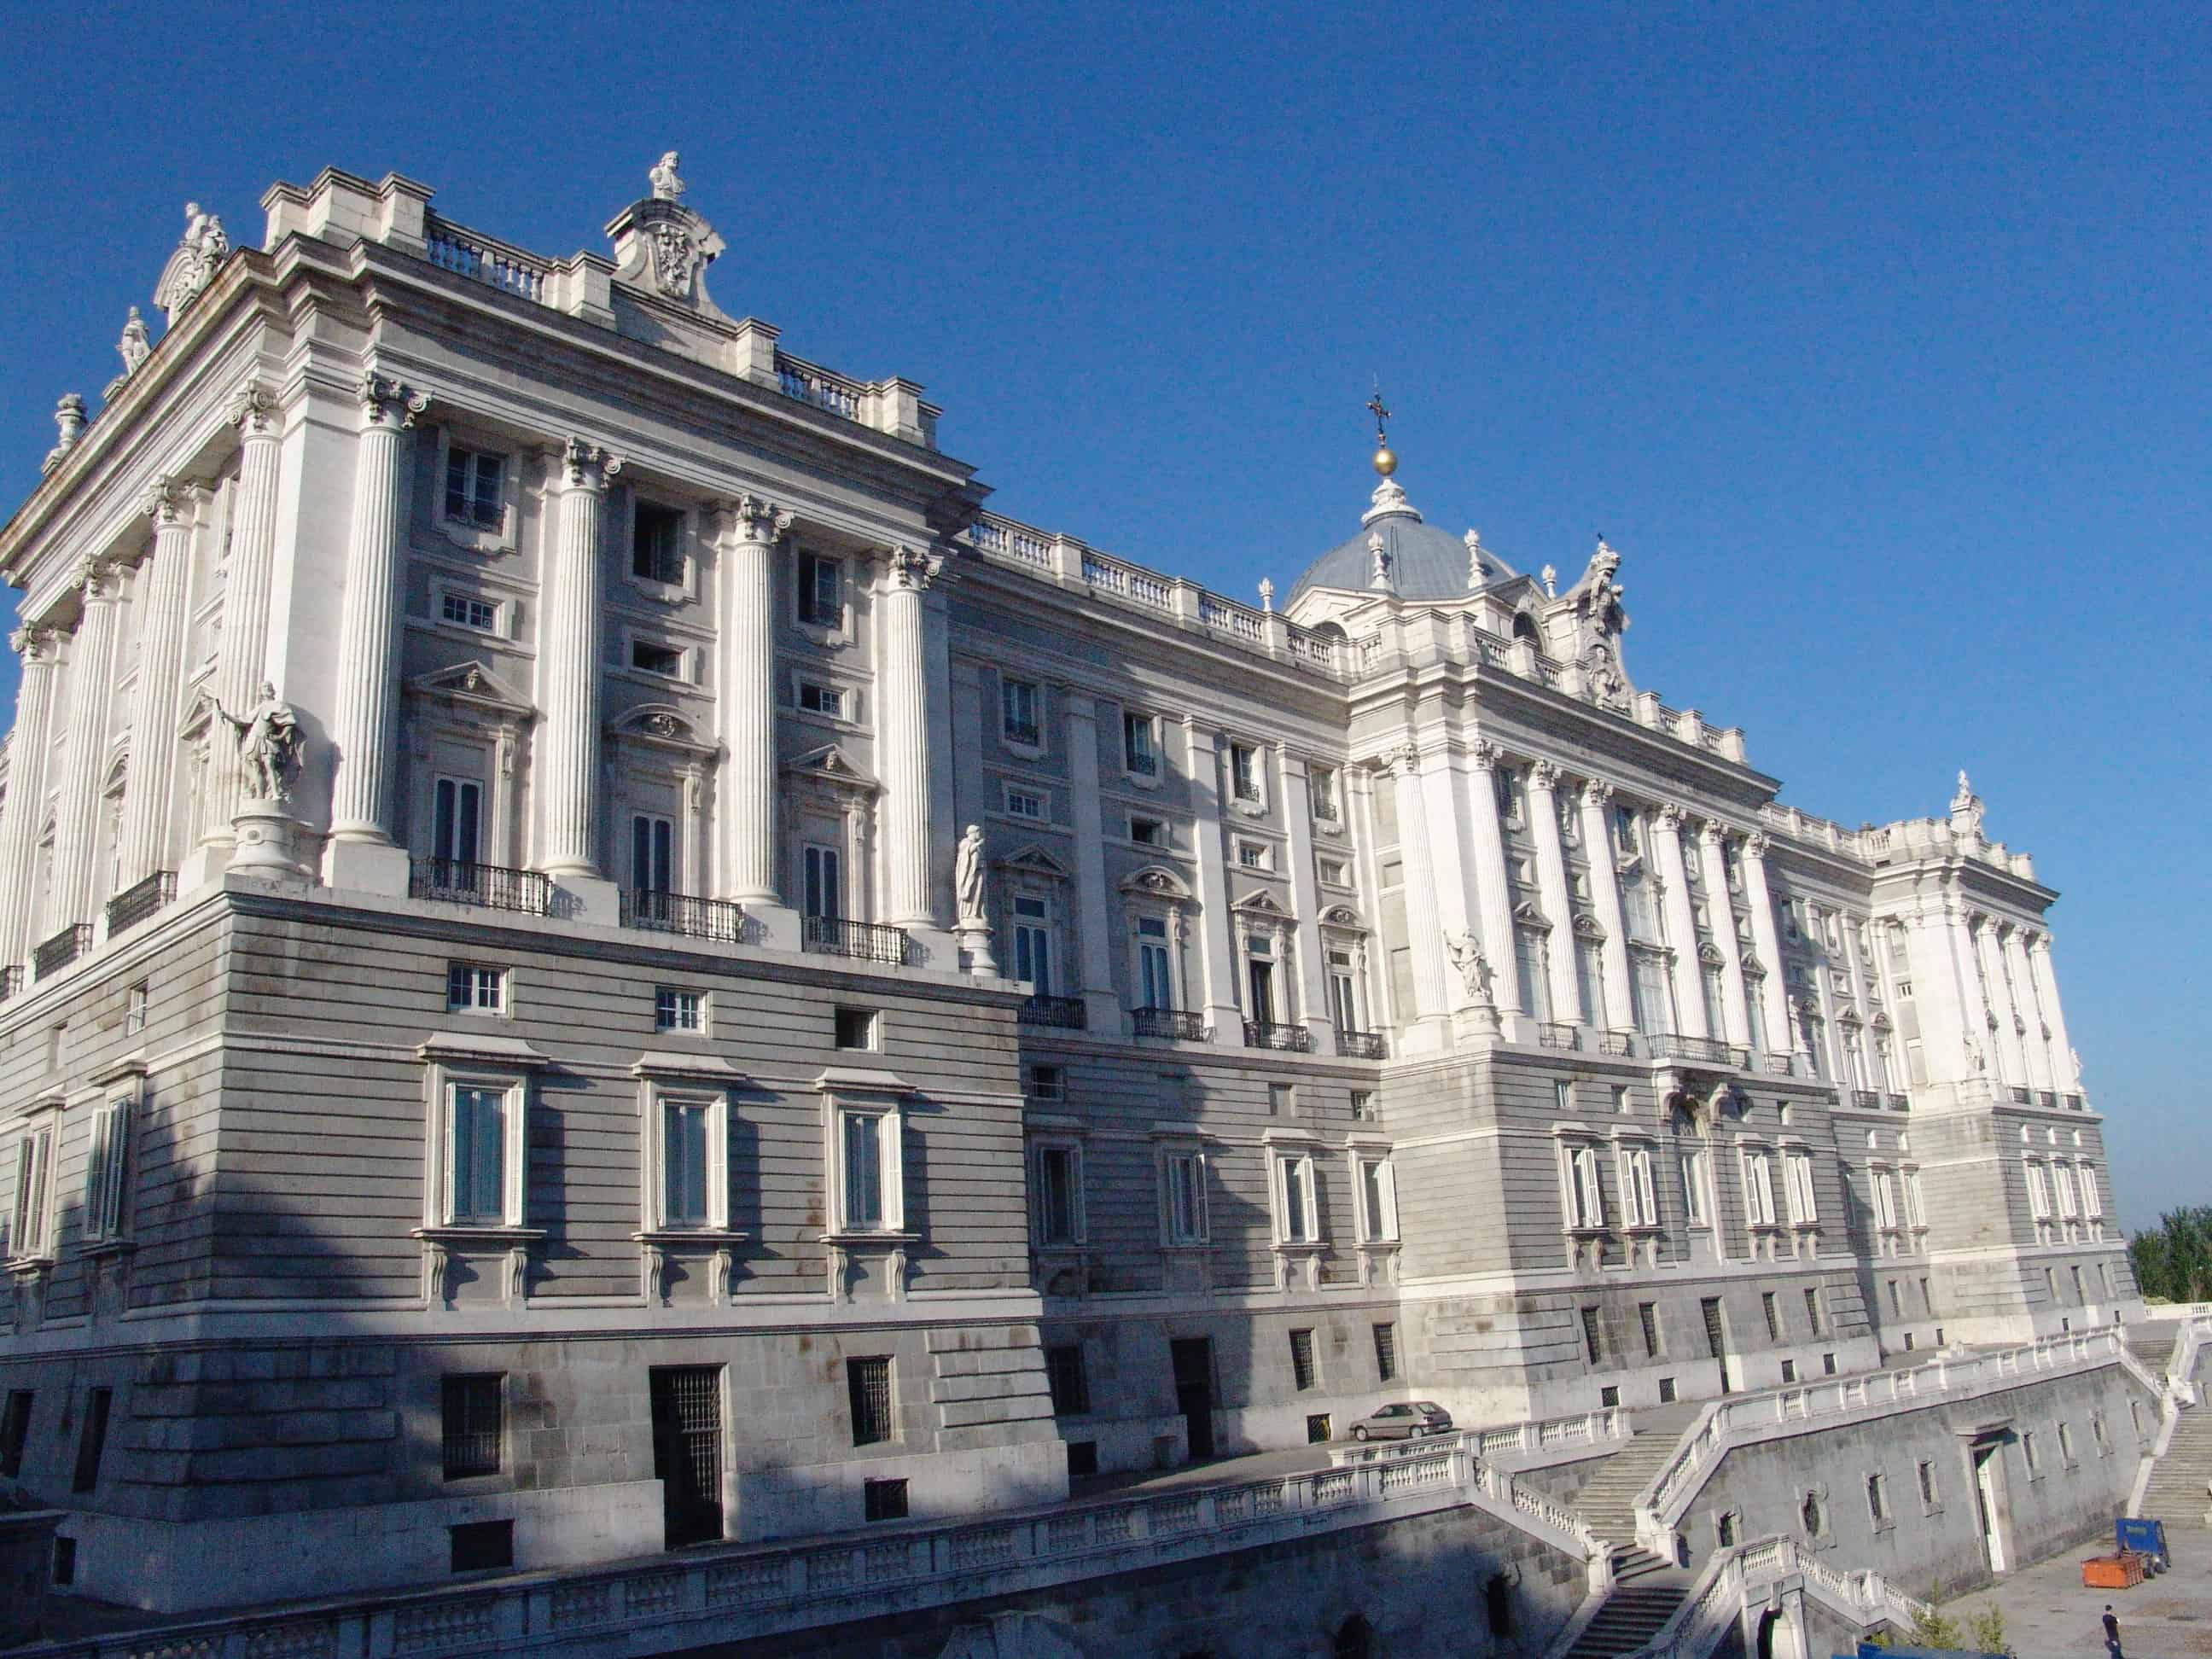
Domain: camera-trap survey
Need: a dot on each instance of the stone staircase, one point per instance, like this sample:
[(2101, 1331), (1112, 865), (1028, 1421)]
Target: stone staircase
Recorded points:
[(1646, 1591), (2176, 1494)]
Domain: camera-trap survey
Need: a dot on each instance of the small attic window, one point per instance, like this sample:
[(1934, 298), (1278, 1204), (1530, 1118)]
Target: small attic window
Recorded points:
[(1524, 629)]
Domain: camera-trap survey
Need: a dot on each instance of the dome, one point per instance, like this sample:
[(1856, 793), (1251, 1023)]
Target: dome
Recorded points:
[(1425, 563)]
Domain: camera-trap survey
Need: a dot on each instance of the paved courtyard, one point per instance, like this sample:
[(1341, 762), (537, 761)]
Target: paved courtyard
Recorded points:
[(2049, 1615)]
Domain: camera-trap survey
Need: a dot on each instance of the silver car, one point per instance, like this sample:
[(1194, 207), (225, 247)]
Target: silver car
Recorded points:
[(1403, 1421)]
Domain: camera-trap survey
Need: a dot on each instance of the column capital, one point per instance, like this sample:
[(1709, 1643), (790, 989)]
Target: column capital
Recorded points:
[(911, 569), (1402, 761), (1597, 793), (385, 402), (253, 410), (97, 578), (169, 500), (33, 643), (1486, 755), (1670, 817), (1755, 844), (1543, 775), (757, 519), (1712, 832), (587, 466)]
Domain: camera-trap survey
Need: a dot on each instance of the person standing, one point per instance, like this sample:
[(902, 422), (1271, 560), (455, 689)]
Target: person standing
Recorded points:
[(2111, 1634)]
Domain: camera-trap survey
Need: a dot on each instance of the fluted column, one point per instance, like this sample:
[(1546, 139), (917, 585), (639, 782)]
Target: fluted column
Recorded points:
[(1094, 920), (1294, 790), (902, 730), (2063, 1063), (152, 779), (1492, 890), (1202, 766), (1431, 999), (2012, 1060), (1681, 923), (1735, 1006), (1605, 893), (26, 789), (1760, 897), (92, 676), (746, 801), (2027, 996), (242, 658), (1551, 882), (366, 728), (568, 740)]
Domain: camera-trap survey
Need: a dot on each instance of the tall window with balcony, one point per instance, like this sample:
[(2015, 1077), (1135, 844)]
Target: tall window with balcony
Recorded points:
[(1244, 773), (1156, 981), (823, 881), (1321, 785), (652, 854), (1018, 714), (1033, 944), (457, 816), (1140, 753), (1059, 1176), (1182, 1196), (1260, 979), (474, 492), (821, 591), (1589, 977), (656, 547), (1532, 971)]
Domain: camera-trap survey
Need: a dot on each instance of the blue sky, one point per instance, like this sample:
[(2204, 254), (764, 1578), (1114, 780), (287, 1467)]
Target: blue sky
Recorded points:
[(1875, 338)]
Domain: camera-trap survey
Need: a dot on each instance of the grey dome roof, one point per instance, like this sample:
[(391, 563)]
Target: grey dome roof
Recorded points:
[(1425, 563)]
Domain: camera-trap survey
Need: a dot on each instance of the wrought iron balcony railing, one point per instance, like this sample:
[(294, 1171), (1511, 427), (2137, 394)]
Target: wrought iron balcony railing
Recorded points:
[(2073, 1102), (1673, 1045), (1266, 1034), (1616, 1042), (1557, 1034), (1362, 1045), (11, 980), (1774, 1065), (1869, 1098), (863, 941), (1025, 732), (2047, 1097), (2020, 1096), (1065, 1013), (1897, 1103), (140, 900), (1168, 1023), (63, 948), (681, 913), (493, 886)]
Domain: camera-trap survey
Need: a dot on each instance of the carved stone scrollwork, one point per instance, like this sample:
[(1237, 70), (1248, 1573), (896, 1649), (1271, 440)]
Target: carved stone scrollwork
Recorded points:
[(760, 520), (1755, 844), (587, 466), (165, 501), (385, 401), (1545, 776), (1597, 793), (911, 569), (252, 409), (1486, 755)]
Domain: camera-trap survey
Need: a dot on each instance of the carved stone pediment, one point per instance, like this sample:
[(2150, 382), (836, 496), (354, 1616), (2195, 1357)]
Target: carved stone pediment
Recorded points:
[(1032, 859), (1590, 928), (473, 685), (830, 765), (663, 248), (1526, 914), (1157, 880), (1260, 903), (662, 725), (1341, 915)]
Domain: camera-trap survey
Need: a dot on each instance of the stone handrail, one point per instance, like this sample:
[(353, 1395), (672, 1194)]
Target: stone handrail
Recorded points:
[(486, 259), (1520, 1442), (1741, 1577), (1741, 1418), (729, 1594), (2176, 1392)]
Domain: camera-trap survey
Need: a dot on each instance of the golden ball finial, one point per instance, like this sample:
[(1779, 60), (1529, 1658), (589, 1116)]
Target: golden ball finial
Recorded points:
[(1385, 462)]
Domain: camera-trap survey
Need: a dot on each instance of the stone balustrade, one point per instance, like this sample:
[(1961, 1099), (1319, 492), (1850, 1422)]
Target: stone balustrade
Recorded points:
[(1745, 1576)]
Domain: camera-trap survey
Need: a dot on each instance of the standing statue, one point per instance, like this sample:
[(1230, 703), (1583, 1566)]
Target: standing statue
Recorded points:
[(666, 186), (1472, 965), (192, 266), (268, 744), (133, 346), (968, 880)]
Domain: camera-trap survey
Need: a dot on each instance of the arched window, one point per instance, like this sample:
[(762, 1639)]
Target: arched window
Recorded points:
[(1355, 1638), (1524, 627)]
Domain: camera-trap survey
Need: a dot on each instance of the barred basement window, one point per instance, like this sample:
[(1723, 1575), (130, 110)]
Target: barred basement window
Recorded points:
[(884, 1500), (868, 1385), (1666, 1391), (480, 1546), (1302, 1360), (471, 1411), (1071, 1387), (1789, 1371), (1772, 1310), (1648, 1313), (1593, 1343), (856, 1028), (1386, 1352)]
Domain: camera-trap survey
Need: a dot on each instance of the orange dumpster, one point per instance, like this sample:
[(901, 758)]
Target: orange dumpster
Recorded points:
[(2123, 1570)]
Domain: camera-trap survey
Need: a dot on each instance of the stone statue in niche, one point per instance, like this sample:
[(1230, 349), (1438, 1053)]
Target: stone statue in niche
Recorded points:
[(1472, 966), (270, 742), (967, 878)]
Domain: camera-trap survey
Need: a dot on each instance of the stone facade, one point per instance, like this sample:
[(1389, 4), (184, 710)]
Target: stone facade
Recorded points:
[(505, 1052)]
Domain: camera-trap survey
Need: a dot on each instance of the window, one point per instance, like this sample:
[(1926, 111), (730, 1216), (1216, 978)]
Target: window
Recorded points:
[(1147, 832), (824, 881), (2066, 1443), (1877, 1490), (1789, 1371), (1694, 1189), (1294, 1197), (1363, 1106), (652, 852), (1927, 1474), (1282, 1100), (656, 544), (1140, 751), (2061, 1179), (1156, 983), (1322, 781), (1184, 1192), (1033, 944), (477, 1192), (655, 659), (470, 1406), (1638, 1195), (2092, 1204), (1048, 1082), (856, 1028), (1244, 772), (469, 612), (1070, 1388), (1797, 1168), (1812, 1512), (1724, 1530), (107, 1171), (1378, 1199), (1059, 1194), (868, 1167), (1812, 1310), (1647, 1315), (2038, 1195), (1335, 873), (1017, 713), (473, 481), (1620, 1099), (816, 698), (1593, 1337), (884, 1500), (1758, 1189), (2029, 1450), (2100, 1434), (134, 1021), (1343, 990), (472, 987), (1302, 1360), (1667, 1395), (1584, 1197), (1885, 1200), (92, 1439), (1252, 855), (868, 1388), (692, 1161), (1773, 1308), (674, 1009), (821, 591), (1025, 804), (480, 1546), (1827, 1364), (14, 1433), (1386, 1354), (1507, 784), (457, 810)]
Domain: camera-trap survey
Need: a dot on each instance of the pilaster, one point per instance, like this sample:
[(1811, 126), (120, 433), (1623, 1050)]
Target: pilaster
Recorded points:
[(1681, 923), (174, 507), (1551, 882), (1759, 894), (1294, 789), (1605, 894), (1202, 765), (1735, 1008), (21, 823), (569, 678), (1094, 927)]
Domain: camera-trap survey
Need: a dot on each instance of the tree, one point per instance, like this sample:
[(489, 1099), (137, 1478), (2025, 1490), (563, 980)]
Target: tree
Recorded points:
[(2174, 1262)]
